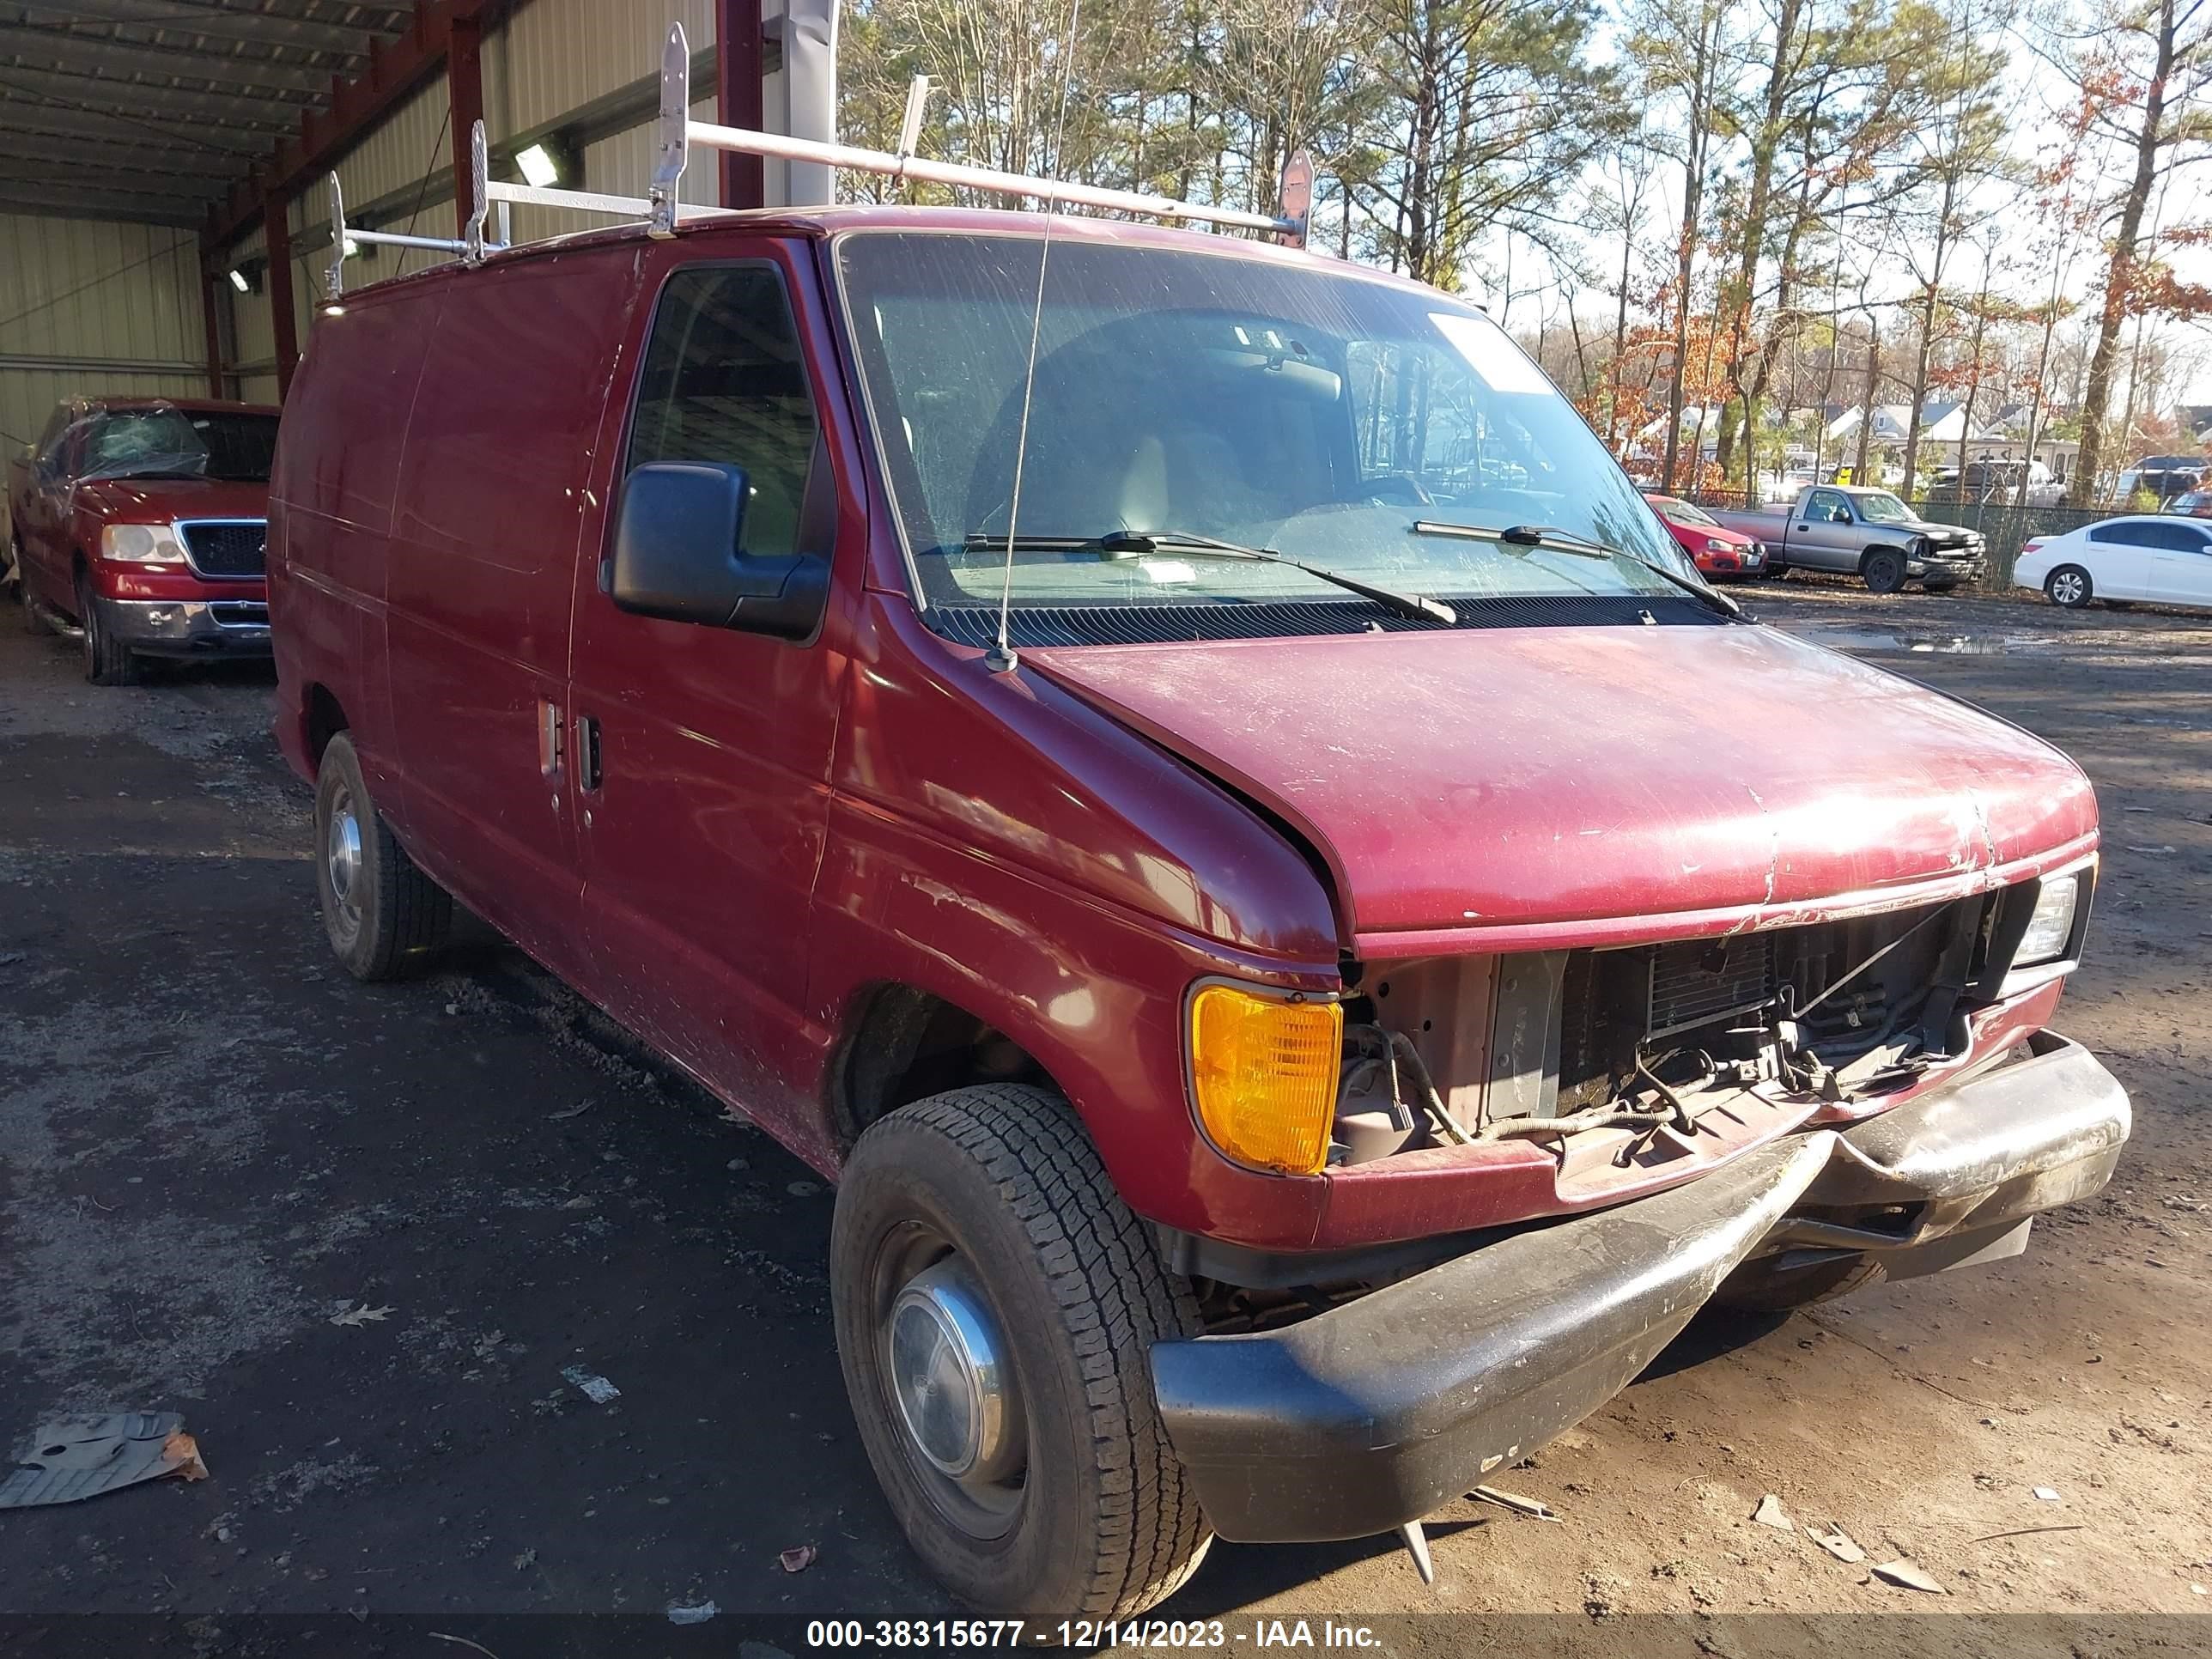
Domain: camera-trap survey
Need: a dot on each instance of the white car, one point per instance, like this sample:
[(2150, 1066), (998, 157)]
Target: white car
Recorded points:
[(2165, 561)]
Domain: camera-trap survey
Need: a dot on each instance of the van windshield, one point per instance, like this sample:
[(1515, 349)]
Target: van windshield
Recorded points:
[(1328, 417)]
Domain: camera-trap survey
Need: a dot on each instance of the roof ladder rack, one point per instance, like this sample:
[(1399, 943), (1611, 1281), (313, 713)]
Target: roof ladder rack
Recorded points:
[(678, 132)]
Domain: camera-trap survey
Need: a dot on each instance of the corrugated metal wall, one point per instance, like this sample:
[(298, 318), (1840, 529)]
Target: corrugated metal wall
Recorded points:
[(88, 307)]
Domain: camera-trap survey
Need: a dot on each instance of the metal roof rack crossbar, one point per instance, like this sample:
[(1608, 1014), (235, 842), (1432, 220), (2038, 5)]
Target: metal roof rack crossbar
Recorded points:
[(678, 132)]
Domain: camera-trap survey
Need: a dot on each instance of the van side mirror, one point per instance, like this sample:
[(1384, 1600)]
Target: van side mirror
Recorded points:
[(676, 556)]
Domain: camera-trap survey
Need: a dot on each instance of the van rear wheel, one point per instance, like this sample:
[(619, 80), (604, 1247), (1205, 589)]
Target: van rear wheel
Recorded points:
[(381, 911), (996, 1305)]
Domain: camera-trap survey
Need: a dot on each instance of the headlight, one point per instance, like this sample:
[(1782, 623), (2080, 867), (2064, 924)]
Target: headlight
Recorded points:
[(1264, 1073), (2050, 924), (1715, 545), (141, 544)]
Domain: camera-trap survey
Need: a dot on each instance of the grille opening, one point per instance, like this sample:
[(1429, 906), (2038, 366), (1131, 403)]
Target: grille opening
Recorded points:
[(227, 549)]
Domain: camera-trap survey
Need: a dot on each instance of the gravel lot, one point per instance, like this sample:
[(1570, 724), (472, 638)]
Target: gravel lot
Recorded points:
[(212, 1144)]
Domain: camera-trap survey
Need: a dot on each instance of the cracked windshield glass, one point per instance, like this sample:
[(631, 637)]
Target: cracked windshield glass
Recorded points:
[(1351, 424)]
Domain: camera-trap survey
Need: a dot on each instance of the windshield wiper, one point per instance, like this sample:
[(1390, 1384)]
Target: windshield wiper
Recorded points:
[(1134, 544), (1537, 534)]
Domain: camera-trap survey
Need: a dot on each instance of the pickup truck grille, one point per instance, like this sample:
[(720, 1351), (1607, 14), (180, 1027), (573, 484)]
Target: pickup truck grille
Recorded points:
[(235, 548)]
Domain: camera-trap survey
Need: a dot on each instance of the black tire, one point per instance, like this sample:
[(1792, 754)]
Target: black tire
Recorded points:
[(35, 617), (106, 661), (1002, 1178), (1762, 1287), (2069, 587), (1883, 570), (383, 916)]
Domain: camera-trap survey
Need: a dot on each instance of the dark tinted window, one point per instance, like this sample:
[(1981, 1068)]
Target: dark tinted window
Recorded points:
[(2177, 537), (2128, 533), (724, 381)]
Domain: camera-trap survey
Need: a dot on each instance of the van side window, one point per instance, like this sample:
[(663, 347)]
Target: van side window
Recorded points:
[(724, 381)]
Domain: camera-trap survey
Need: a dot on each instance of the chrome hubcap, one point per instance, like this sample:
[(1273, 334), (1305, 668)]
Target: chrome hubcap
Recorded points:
[(341, 856), (955, 1391), (2068, 588)]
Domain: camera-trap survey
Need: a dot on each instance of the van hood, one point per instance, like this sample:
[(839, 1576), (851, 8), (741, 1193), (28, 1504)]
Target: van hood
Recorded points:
[(1511, 783), (154, 500)]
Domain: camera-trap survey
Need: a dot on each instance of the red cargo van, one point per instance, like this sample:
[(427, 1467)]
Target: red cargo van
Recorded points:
[(1304, 947)]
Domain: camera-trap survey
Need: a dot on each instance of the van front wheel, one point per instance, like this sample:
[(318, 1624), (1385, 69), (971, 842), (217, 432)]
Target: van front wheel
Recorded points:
[(996, 1305), (379, 911)]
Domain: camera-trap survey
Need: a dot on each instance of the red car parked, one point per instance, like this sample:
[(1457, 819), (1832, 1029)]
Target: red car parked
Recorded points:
[(141, 524), (1720, 554), (1302, 946)]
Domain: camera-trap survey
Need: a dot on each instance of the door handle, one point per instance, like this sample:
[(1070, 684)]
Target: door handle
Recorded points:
[(588, 753), (549, 742)]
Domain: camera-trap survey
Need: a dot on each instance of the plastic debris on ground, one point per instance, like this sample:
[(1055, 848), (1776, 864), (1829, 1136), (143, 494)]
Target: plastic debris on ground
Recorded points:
[(1907, 1574), (594, 1387), (697, 1613), (798, 1558), (2046, 1494), (79, 1457), (1836, 1542), (1770, 1513), (361, 1315)]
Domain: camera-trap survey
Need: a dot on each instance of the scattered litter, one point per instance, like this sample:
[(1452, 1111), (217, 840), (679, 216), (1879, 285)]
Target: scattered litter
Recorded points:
[(2152, 850), (1906, 1572), (360, 1315), (577, 1110), (1770, 1513), (1535, 1508), (526, 1560), (77, 1457), (738, 1163), (461, 1642), (2046, 1494), (452, 1008), (2135, 809), (1836, 1542), (2023, 1532), (698, 1613), (9, 959), (802, 1189), (798, 1558), (2199, 1590), (594, 1387)]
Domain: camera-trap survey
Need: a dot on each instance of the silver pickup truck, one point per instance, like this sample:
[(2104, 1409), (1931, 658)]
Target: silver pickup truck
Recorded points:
[(1869, 533)]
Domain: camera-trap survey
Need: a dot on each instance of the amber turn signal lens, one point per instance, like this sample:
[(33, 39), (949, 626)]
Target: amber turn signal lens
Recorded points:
[(1265, 1072)]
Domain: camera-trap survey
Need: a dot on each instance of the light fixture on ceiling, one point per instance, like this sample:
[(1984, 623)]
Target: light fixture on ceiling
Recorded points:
[(240, 280), (352, 248), (539, 169)]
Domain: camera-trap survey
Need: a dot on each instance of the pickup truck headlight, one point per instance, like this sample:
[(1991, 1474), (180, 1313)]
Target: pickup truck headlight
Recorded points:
[(141, 544), (2050, 924), (1263, 1073)]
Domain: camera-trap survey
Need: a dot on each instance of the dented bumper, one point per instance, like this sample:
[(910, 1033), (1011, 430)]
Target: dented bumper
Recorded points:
[(1386, 1408)]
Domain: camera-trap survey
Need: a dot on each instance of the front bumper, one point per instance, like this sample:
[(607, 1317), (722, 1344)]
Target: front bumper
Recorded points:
[(1947, 569), (188, 628), (1385, 1409)]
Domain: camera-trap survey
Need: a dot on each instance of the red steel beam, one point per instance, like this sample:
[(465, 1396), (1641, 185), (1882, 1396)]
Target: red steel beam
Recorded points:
[(737, 96), (394, 70), (464, 100), (211, 317), (276, 221)]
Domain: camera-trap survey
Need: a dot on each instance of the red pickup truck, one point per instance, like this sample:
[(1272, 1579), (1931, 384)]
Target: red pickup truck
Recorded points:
[(141, 524), (1298, 939)]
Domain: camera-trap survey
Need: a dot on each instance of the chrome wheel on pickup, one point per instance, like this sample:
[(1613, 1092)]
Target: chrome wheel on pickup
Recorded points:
[(996, 1306)]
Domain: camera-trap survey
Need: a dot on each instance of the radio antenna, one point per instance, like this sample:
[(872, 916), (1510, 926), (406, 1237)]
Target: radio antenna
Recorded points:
[(1001, 658)]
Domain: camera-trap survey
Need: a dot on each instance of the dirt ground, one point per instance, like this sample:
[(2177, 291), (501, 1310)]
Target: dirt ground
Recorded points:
[(212, 1144)]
